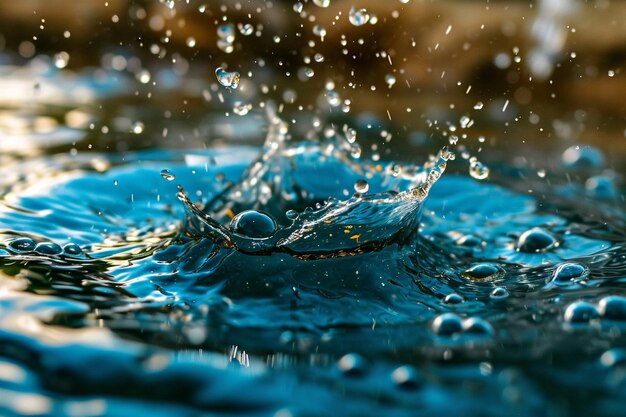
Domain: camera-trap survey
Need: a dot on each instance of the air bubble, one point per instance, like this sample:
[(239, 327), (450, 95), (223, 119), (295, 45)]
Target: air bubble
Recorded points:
[(447, 324), (254, 224), (483, 272), (612, 307), (580, 312), (536, 240)]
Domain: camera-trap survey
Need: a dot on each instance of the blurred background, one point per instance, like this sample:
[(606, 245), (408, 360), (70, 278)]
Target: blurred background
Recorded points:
[(545, 72)]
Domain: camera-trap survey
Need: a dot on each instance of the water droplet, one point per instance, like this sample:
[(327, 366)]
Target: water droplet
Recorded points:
[(582, 157), (499, 293), (298, 7), (48, 248), (308, 72), (613, 357), (322, 3), (143, 76), (318, 57), (254, 224), (406, 377), (478, 171), (191, 42), (447, 324), (241, 109), (470, 241), (453, 299), (137, 128), (390, 80), (612, 307), (22, 244), (333, 98), (165, 173), (227, 79), (580, 312), (352, 364), (319, 31), (483, 272), (568, 272), (246, 30), (478, 105), (536, 240), (361, 186), (358, 17)]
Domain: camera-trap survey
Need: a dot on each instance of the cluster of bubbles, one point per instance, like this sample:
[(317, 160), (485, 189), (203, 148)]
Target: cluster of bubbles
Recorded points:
[(451, 325), (611, 308), (25, 245)]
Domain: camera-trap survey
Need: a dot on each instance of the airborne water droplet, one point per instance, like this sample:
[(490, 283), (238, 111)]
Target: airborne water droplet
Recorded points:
[(477, 170), (322, 3), (227, 79), (358, 17), (390, 80), (361, 186), (167, 174)]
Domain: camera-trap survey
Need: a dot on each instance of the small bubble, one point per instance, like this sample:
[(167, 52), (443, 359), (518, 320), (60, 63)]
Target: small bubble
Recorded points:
[(309, 72), (447, 324), (477, 327), (361, 186), (612, 307), (499, 293), (580, 312), (405, 377), (568, 272), (352, 364), (254, 224), (48, 248), (22, 244), (453, 298), (483, 272), (72, 249), (167, 174), (536, 240)]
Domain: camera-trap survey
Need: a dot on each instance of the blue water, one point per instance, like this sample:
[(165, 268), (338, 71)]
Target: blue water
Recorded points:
[(127, 289)]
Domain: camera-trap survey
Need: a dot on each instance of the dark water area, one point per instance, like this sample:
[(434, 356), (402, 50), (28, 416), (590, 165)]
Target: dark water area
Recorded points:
[(188, 242)]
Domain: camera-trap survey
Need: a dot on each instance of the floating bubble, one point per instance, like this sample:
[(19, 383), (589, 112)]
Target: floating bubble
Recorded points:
[(22, 244), (568, 272), (168, 175), (580, 312), (612, 307), (447, 324), (254, 224), (499, 293), (48, 248), (477, 327), (72, 249), (536, 240), (361, 186), (406, 377), (483, 272), (453, 299), (352, 364), (227, 79), (358, 17)]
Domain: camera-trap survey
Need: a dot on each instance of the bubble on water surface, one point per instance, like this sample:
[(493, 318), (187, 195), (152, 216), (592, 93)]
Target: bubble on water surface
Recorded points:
[(536, 240), (254, 224)]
